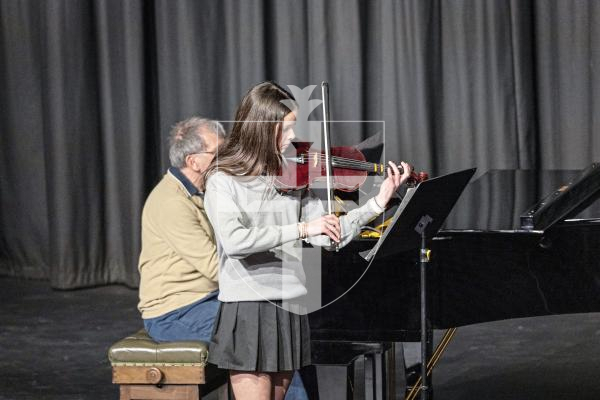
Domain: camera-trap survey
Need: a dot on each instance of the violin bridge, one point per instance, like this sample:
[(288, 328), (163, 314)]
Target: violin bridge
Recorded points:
[(315, 160)]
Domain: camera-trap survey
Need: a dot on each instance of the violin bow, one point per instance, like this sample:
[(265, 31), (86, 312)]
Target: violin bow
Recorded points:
[(327, 149)]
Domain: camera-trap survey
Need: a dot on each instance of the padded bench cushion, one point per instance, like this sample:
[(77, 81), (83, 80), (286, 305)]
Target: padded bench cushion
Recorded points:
[(140, 349)]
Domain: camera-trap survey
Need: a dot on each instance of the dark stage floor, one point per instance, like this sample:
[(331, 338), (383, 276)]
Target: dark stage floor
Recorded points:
[(53, 346)]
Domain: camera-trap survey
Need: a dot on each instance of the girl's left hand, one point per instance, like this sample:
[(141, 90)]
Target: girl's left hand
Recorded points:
[(393, 181)]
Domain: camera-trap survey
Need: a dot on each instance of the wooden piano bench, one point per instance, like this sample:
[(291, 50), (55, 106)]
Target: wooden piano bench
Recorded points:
[(145, 369)]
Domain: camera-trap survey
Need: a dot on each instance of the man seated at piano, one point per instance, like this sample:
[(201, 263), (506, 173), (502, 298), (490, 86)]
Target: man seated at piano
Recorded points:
[(178, 263)]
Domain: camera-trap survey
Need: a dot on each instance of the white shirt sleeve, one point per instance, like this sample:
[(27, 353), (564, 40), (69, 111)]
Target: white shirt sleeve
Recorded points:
[(350, 224), (226, 216)]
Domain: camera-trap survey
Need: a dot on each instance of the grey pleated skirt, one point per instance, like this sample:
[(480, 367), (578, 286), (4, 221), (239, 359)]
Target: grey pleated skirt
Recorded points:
[(259, 336)]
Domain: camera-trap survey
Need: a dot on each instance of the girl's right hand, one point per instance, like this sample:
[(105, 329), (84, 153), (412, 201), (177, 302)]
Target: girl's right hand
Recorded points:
[(326, 225)]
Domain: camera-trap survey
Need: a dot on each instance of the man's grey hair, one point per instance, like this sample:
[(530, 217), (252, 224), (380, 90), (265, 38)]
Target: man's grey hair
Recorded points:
[(185, 138)]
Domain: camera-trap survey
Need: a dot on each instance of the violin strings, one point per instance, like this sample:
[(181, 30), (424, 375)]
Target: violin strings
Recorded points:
[(366, 165), (369, 167), (349, 162), (341, 162), (346, 161), (355, 164)]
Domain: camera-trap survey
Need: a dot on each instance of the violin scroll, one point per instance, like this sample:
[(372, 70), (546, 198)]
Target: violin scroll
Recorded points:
[(415, 178)]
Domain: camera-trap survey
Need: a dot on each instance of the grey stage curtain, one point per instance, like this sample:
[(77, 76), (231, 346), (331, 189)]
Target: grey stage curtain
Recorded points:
[(89, 90)]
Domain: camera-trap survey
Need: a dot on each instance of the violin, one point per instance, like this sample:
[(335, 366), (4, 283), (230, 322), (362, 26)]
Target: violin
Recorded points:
[(302, 166)]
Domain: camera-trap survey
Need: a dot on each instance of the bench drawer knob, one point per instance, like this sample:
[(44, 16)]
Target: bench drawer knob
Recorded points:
[(154, 375)]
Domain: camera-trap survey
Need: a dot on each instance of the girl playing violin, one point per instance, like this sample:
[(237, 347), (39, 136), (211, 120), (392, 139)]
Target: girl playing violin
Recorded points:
[(257, 230)]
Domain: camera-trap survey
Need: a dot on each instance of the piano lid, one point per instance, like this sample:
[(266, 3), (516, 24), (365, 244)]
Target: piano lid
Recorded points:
[(496, 200)]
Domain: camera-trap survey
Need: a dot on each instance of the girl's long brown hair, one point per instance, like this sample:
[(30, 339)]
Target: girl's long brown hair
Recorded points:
[(253, 146)]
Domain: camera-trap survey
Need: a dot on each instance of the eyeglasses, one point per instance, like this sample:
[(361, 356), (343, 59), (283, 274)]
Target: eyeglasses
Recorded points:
[(203, 152)]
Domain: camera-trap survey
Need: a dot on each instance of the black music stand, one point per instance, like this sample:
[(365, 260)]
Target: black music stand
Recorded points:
[(418, 219)]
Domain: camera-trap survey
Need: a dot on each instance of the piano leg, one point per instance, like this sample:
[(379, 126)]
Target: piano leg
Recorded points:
[(355, 382), (388, 373), (379, 369), (374, 370), (371, 367), (371, 374)]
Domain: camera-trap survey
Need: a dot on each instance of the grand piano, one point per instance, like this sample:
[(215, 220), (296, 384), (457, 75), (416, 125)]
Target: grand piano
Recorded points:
[(489, 262)]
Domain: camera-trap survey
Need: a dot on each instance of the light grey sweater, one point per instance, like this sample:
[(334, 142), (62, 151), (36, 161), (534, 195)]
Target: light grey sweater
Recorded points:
[(257, 236)]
